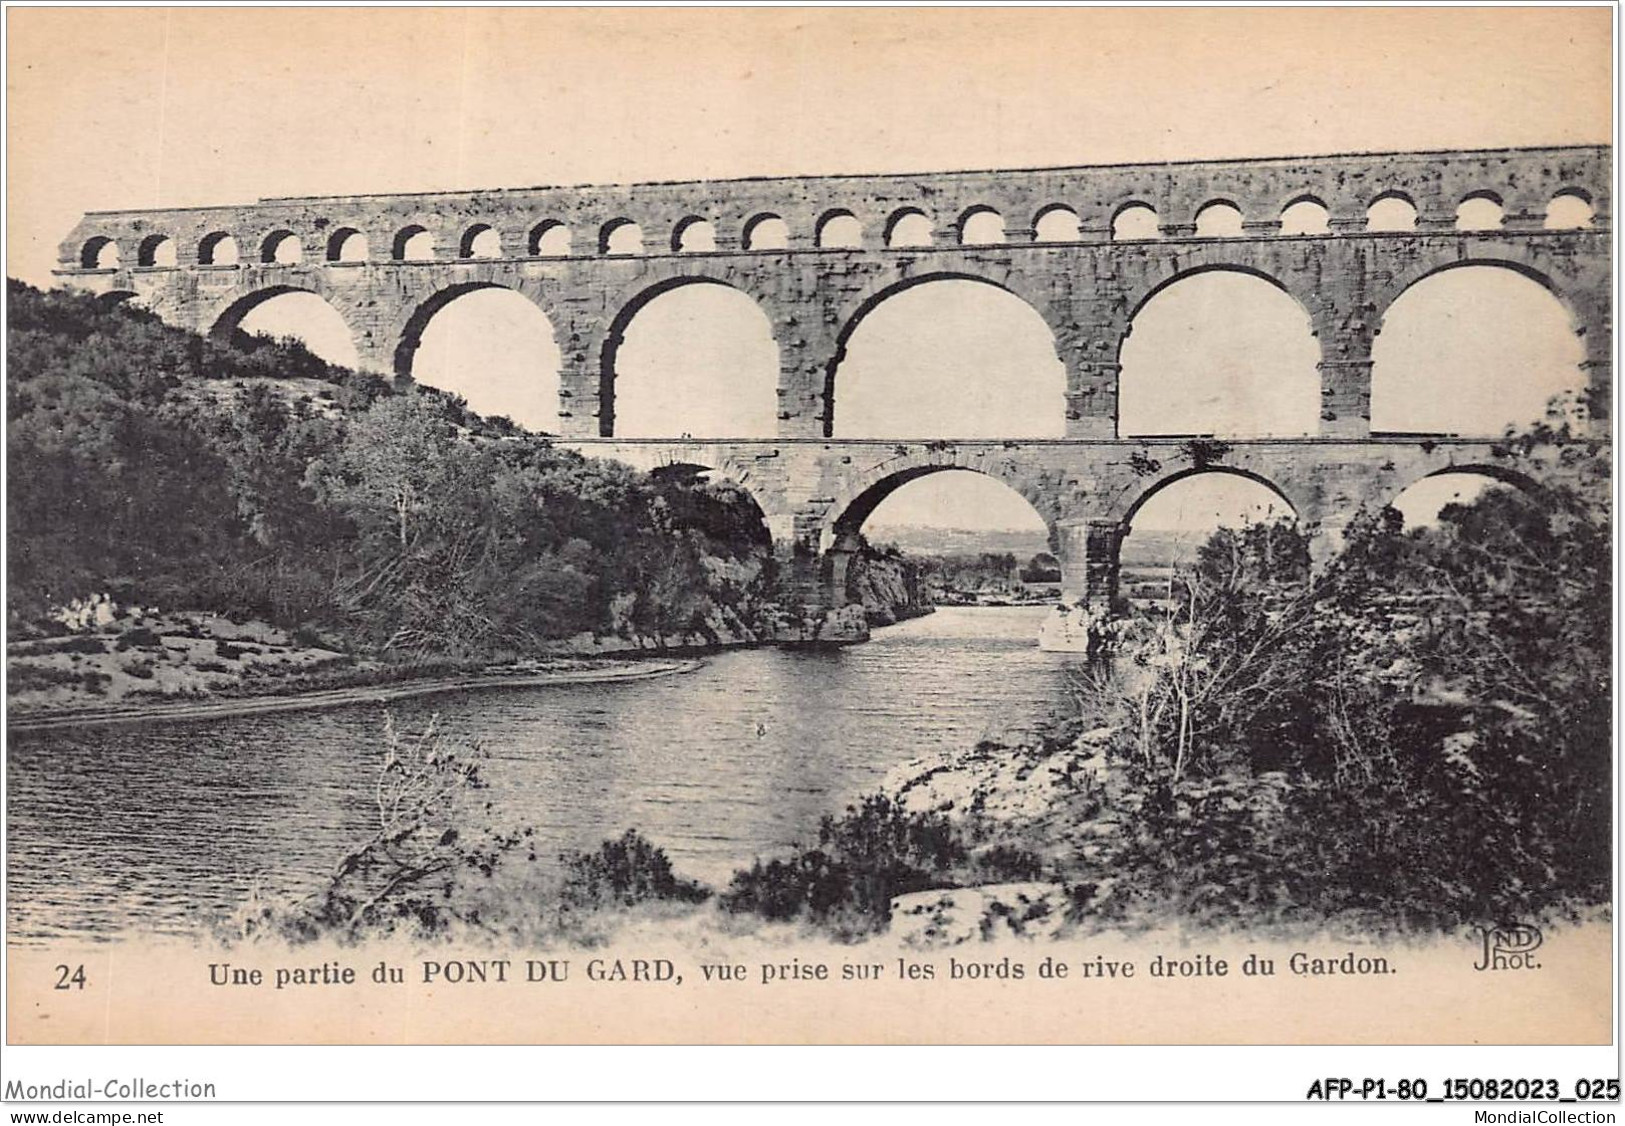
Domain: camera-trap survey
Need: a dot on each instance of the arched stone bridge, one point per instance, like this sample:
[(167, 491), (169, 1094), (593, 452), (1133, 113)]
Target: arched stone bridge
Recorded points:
[(1086, 247)]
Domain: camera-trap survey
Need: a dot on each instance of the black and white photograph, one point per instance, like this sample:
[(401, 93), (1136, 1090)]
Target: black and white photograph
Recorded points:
[(810, 526)]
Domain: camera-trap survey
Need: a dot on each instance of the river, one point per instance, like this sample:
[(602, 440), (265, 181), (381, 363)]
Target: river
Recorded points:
[(160, 827)]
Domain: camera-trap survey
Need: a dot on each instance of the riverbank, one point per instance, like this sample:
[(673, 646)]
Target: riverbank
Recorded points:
[(600, 672), (100, 663), (149, 666)]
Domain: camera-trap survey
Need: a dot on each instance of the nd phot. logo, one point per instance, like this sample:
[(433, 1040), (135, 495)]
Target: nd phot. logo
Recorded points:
[(1510, 947)]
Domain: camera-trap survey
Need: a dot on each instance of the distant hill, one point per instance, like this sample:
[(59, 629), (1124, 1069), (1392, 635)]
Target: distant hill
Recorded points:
[(1143, 547), (920, 540), (1160, 548)]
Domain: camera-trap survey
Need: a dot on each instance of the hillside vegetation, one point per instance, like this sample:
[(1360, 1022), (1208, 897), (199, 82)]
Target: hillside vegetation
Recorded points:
[(250, 479)]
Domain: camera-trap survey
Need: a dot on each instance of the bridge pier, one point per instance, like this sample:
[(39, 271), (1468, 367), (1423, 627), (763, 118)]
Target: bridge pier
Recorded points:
[(1089, 553), (812, 586), (837, 569)]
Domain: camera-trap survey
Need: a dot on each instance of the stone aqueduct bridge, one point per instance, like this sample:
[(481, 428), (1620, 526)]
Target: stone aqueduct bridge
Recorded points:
[(815, 490)]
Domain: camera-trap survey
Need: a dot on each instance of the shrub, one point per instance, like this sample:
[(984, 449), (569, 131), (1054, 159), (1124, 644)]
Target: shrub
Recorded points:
[(328, 663), (139, 638), (624, 872), (779, 889), (1209, 849), (81, 645), (228, 651), (1004, 862), (864, 859), (140, 669), (40, 678), (306, 638), (176, 692), (412, 875), (438, 867)]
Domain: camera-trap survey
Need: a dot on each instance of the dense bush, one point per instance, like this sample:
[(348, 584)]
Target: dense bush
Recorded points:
[(80, 645), (994, 572), (1041, 568), (139, 668), (864, 858), (139, 638), (38, 678), (624, 872)]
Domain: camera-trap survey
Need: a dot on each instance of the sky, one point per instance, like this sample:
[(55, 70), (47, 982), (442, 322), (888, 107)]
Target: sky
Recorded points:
[(112, 108)]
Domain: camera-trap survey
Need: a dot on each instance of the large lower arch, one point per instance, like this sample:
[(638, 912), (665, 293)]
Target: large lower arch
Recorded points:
[(1220, 350), (490, 344), (1166, 525), (290, 310), (1473, 348), (999, 501), (1183, 477), (854, 510), (1421, 500), (691, 357), (886, 379)]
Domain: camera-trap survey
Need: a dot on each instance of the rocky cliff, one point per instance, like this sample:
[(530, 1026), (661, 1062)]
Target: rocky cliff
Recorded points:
[(888, 586)]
